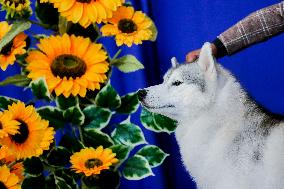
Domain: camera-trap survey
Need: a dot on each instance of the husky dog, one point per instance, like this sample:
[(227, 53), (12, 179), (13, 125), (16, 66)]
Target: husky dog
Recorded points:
[(227, 141)]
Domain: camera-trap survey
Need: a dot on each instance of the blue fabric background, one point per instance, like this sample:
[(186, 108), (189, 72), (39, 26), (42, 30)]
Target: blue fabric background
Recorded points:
[(185, 25)]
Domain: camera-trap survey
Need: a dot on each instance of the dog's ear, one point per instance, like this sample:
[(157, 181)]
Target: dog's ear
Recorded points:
[(174, 62), (206, 61)]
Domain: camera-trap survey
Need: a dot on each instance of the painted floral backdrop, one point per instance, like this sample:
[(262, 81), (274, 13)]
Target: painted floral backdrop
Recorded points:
[(70, 72)]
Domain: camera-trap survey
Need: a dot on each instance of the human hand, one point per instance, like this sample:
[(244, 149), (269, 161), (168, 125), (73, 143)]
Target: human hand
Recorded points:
[(193, 55)]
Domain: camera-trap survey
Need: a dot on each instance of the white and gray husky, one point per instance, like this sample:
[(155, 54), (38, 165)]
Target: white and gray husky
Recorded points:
[(227, 141)]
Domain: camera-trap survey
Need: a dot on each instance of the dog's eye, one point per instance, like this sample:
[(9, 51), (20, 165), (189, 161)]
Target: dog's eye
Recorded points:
[(176, 83)]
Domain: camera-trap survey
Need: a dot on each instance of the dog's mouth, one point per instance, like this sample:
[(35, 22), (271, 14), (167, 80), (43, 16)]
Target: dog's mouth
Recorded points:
[(144, 104)]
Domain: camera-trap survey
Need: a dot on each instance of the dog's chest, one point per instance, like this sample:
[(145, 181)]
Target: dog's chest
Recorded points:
[(204, 146), (211, 151), (196, 141)]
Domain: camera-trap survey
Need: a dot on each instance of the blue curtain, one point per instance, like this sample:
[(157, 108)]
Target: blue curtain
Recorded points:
[(185, 25)]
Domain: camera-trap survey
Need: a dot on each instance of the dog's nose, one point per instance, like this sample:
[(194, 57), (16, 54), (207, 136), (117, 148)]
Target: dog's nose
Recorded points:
[(142, 93)]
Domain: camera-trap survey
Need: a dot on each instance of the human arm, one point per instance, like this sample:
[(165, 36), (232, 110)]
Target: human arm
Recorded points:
[(256, 27)]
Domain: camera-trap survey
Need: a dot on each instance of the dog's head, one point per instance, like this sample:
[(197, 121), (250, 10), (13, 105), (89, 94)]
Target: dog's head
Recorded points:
[(187, 89)]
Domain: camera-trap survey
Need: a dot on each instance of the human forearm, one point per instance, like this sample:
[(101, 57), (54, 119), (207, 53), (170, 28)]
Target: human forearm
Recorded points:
[(254, 28)]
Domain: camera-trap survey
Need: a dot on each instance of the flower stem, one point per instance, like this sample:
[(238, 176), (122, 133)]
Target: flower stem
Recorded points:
[(81, 134), (116, 55), (21, 64), (108, 76), (48, 167), (45, 26)]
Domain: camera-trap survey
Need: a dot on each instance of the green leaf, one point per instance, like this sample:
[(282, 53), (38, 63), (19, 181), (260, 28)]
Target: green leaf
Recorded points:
[(127, 120), (21, 59), (40, 89), (128, 134), (137, 168), (109, 179), (33, 166), (46, 14), (53, 115), (154, 155), (74, 115), (154, 30), (166, 124), (147, 120), (71, 143), (157, 123), (67, 176), (129, 104), (33, 182), (106, 180), (65, 103), (61, 183), (127, 64), (17, 27), (17, 80), (91, 31), (94, 138), (6, 101), (122, 152), (58, 156), (108, 98), (49, 182), (96, 117)]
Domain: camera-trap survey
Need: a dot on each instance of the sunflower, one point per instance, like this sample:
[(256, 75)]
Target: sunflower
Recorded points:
[(15, 47), (92, 161), (6, 157), (34, 134), (70, 64), (86, 11), (8, 180), (8, 125), (4, 153), (16, 7), (128, 26)]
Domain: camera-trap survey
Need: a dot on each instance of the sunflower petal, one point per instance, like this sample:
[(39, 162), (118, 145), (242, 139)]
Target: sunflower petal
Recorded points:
[(58, 76), (82, 161), (66, 5), (77, 12)]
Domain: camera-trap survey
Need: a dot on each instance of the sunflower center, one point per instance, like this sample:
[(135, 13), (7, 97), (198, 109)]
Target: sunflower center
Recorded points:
[(68, 66), (23, 134), (7, 48), (1, 126), (91, 163), (17, 2), (127, 26), (84, 1), (2, 185)]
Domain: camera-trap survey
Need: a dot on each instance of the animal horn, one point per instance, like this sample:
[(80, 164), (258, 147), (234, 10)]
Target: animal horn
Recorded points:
[(174, 62)]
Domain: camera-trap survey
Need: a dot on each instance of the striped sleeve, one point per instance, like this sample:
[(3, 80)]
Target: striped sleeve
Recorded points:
[(256, 27)]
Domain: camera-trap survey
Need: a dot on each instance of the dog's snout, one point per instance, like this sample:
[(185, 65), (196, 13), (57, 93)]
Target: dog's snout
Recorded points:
[(142, 93)]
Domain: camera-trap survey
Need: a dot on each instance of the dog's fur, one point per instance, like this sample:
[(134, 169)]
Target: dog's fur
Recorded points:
[(227, 141)]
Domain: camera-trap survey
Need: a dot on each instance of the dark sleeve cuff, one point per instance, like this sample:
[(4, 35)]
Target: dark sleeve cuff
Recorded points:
[(221, 49)]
